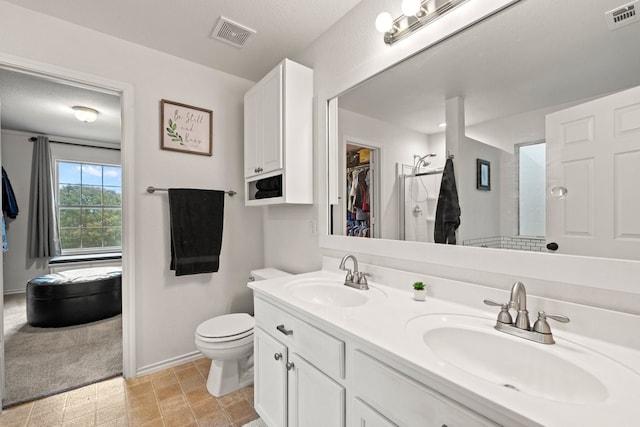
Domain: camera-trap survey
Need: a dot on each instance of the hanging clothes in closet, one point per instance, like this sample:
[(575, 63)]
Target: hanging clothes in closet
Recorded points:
[(358, 179)]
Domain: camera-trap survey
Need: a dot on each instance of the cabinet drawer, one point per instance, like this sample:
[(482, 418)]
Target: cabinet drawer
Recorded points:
[(406, 402), (322, 350)]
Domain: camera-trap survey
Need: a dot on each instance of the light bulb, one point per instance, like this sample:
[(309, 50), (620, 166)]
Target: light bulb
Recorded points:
[(410, 7), (384, 22)]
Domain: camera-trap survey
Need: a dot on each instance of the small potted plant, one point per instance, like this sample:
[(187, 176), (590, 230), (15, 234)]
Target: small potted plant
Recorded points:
[(419, 291)]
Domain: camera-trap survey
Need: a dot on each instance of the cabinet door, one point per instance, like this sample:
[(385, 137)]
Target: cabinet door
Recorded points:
[(272, 120), (315, 400), (365, 416), (270, 379), (252, 132)]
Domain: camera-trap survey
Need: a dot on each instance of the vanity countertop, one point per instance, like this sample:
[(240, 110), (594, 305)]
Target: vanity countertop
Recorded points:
[(387, 322)]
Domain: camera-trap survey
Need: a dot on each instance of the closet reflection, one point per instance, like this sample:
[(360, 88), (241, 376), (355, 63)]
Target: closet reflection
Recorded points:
[(359, 186)]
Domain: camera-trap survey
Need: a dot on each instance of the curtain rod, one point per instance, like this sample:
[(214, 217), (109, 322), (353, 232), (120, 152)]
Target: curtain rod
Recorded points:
[(152, 190), (34, 139)]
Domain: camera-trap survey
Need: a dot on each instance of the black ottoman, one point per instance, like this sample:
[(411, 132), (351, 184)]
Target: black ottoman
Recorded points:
[(74, 297)]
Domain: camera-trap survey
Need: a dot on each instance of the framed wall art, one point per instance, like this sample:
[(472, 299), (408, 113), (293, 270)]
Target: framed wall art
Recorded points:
[(483, 175), (186, 128)]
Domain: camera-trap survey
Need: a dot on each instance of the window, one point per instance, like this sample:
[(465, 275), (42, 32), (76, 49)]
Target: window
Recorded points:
[(89, 205), (531, 189)]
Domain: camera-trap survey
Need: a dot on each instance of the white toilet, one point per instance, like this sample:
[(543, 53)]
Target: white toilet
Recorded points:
[(228, 341)]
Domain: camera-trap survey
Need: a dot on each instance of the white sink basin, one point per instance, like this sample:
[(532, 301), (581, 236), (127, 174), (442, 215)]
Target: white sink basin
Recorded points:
[(330, 292), (561, 372)]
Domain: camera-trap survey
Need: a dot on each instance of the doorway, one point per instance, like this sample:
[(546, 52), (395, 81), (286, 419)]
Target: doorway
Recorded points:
[(124, 94), (361, 183)]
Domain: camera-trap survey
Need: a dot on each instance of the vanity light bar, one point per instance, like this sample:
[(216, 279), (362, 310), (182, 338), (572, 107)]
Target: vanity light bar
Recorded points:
[(405, 25)]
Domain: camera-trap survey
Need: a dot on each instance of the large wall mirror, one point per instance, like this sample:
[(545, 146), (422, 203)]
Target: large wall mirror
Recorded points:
[(537, 109)]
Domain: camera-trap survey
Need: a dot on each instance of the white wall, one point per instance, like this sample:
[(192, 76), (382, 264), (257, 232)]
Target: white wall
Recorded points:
[(17, 153), (480, 210), (168, 308), (16, 160)]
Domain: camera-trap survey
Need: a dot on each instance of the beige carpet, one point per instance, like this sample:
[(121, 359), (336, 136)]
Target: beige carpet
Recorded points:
[(44, 361)]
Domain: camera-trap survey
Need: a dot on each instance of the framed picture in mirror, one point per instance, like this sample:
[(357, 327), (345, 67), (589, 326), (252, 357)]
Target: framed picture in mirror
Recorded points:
[(483, 171)]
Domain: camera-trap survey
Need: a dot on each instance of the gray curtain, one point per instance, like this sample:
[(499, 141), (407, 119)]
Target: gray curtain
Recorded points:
[(44, 241)]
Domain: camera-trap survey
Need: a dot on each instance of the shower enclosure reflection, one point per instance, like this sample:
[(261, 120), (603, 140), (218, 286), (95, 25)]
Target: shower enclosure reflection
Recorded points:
[(419, 186)]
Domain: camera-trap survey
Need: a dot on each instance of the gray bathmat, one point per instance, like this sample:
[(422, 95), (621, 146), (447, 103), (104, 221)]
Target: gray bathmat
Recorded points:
[(44, 361)]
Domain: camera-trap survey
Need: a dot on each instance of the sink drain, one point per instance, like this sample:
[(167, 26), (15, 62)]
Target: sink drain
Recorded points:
[(510, 386)]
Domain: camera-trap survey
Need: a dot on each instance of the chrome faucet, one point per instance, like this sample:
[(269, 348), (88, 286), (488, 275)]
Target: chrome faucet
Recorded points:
[(355, 279), (541, 332), (518, 302)]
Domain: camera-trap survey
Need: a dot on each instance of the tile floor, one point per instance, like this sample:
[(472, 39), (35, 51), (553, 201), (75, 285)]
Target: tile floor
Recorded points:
[(173, 397)]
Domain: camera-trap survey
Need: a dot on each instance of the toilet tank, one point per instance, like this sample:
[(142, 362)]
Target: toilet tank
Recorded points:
[(266, 274)]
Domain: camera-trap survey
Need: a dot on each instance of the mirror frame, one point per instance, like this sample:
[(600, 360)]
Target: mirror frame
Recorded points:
[(601, 273)]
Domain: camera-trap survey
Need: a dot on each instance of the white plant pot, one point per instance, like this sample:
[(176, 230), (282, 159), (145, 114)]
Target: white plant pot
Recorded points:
[(419, 295)]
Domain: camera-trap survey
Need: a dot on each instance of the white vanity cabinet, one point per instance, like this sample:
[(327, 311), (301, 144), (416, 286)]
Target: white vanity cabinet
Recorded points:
[(402, 401), (297, 371), (278, 134)]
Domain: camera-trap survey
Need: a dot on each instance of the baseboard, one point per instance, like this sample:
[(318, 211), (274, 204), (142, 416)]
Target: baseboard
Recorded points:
[(169, 363), (15, 291)]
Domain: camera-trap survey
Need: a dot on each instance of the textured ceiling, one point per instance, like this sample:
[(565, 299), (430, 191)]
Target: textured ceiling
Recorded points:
[(180, 28), (34, 104), (183, 28)]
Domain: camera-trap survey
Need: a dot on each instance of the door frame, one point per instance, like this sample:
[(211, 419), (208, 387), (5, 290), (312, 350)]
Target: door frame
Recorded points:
[(126, 93)]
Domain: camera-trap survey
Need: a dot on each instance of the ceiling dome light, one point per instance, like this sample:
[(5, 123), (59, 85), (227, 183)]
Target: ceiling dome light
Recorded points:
[(85, 114), (410, 7), (384, 22)]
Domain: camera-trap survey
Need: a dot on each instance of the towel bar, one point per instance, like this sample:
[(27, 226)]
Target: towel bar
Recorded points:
[(152, 190)]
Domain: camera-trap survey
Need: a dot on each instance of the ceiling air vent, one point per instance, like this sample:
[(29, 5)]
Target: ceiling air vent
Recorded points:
[(232, 33), (622, 15)]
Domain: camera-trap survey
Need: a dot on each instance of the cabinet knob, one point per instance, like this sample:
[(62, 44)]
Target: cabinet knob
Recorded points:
[(277, 356), (290, 366)]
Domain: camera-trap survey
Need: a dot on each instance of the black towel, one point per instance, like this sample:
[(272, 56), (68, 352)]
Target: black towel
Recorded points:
[(264, 194), (196, 218), (448, 210), (9, 203), (270, 184)]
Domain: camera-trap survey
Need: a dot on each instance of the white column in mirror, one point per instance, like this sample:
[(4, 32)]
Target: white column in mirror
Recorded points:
[(454, 131)]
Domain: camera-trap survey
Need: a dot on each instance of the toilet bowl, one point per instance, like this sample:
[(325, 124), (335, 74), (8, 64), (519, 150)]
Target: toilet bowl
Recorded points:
[(228, 341)]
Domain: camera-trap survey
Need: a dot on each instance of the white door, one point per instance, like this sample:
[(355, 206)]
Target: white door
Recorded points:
[(593, 151), (315, 400), (272, 121), (270, 379), (252, 132)]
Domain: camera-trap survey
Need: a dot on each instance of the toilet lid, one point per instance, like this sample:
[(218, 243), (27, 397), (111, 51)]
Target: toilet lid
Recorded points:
[(226, 326)]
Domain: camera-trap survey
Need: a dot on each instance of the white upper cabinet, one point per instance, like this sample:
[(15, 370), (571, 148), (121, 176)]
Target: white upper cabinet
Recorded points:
[(263, 125), (278, 162)]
